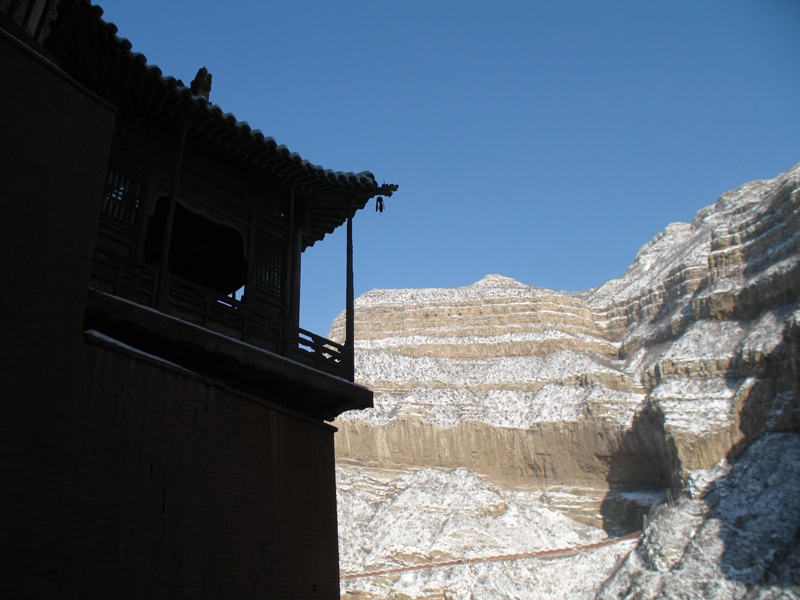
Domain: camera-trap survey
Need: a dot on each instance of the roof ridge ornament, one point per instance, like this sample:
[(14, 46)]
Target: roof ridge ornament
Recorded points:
[(201, 84)]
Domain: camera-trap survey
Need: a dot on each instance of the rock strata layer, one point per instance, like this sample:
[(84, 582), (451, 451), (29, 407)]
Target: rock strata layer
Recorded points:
[(644, 379)]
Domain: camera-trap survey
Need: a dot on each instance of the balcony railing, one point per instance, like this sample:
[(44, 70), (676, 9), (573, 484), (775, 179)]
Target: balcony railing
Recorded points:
[(222, 314), (319, 352)]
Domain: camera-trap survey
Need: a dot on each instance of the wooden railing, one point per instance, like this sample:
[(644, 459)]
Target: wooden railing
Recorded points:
[(216, 312), (221, 314), (124, 278), (319, 352)]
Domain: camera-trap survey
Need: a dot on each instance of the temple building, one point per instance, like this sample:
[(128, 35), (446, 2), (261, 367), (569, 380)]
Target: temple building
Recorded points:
[(163, 419)]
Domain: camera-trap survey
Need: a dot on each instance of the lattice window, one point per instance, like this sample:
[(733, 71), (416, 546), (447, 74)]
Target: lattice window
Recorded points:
[(268, 264), (122, 195)]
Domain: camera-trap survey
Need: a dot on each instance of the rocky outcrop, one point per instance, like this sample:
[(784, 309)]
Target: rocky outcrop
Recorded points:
[(499, 405), (396, 521), (735, 535), (731, 535), (502, 378), (688, 354)]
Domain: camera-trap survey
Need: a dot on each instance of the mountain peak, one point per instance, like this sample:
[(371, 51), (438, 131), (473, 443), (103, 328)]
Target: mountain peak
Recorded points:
[(494, 280)]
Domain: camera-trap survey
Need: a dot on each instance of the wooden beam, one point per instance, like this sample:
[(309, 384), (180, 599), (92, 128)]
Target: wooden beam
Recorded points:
[(166, 240), (287, 285)]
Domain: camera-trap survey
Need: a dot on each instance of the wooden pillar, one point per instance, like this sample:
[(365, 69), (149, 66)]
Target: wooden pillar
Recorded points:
[(297, 255), (250, 281), (147, 208), (166, 239), (350, 306), (290, 288)]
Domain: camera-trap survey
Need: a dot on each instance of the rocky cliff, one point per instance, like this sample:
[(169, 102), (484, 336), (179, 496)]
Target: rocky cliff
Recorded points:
[(680, 363)]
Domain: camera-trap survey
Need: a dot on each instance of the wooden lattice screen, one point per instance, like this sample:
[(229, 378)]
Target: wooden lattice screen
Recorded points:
[(268, 264), (122, 195)]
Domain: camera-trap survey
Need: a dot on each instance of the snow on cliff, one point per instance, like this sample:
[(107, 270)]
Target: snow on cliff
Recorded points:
[(679, 365)]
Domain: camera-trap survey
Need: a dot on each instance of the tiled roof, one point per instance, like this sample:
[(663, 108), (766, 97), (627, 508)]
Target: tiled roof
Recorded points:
[(89, 49)]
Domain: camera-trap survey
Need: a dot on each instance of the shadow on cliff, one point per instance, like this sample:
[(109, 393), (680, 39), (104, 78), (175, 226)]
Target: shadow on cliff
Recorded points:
[(773, 400), (759, 548), (758, 503), (755, 508), (645, 465)]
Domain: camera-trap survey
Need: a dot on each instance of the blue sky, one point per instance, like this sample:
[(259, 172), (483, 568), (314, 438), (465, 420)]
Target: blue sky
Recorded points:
[(541, 140)]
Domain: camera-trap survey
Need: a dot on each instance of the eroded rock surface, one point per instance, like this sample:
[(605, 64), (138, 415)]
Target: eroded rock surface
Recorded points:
[(657, 366), (684, 361), (735, 536)]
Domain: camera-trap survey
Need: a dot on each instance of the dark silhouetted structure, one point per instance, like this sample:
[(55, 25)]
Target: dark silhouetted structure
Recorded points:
[(162, 434)]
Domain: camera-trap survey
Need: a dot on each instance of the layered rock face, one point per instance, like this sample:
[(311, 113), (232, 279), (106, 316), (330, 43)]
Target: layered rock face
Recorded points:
[(502, 409), (652, 375)]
